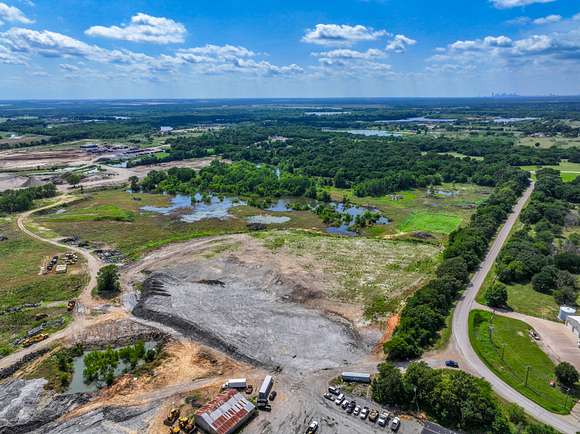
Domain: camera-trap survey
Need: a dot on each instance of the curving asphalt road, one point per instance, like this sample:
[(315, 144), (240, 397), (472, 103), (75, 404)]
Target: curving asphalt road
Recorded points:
[(566, 424)]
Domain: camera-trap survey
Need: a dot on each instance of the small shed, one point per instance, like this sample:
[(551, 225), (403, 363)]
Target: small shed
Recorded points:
[(61, 269)]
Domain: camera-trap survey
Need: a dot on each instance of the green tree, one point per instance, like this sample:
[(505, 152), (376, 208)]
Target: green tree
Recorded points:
[(388, 387), (546, 280), (496, 295), (134, 183), (108, 280), (73, 179), (402, 347), (566, 374)]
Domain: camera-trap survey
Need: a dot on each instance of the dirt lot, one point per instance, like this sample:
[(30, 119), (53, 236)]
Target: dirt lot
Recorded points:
[(26, 159), (270, 308)]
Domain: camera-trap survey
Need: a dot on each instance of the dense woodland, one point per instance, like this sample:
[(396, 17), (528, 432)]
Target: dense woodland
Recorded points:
[(23, 200), (539, 253)]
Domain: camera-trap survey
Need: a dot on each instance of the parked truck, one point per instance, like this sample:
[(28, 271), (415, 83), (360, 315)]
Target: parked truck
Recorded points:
[(235, 383), (265, 388)]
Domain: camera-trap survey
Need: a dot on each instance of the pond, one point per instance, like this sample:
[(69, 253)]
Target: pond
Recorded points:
[(213, 208), (78, 385), (352, 211), (268, 219)]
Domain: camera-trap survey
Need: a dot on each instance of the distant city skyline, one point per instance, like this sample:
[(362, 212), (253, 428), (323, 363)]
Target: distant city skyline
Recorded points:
[(281, 49)]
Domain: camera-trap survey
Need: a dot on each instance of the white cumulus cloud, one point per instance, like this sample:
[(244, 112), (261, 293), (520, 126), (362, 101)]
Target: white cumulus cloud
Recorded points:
[(550, 19), (508, 4), (12, 14), (143, 28), (341, 34), (400, 43)]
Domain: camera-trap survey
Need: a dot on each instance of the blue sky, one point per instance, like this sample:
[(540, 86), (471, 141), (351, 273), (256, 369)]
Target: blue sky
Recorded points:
[(283, 48)]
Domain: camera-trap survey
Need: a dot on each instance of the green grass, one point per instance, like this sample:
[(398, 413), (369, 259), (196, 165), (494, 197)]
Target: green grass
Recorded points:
[(568, 170), (510, 337), (548, 142), (430, 222), (96, 213), (113, 217), (20, 260), (454, 210)]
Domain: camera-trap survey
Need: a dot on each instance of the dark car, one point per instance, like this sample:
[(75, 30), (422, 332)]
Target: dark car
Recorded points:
[(452, 364), (273, 395)]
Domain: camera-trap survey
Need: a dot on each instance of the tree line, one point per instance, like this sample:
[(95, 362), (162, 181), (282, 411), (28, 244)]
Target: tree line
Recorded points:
[(424, 314), (539, 253), (453, 398), (22, 200)]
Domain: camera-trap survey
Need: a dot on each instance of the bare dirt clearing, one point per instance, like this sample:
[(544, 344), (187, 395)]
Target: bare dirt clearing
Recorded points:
[(274, 308)]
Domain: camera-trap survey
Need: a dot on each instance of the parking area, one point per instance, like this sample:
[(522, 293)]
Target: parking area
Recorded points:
[(367, 416)]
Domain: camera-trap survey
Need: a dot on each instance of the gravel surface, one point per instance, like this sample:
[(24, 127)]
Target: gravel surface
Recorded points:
[(248, 311)]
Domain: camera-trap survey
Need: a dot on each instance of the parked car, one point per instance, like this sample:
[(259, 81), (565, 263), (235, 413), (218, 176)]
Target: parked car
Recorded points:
[(356, 410), (329, 396), (273, 395), (339, 399), (452, 364), (395, 424), (384, 418), (350, 408), (334, 390), (373, 415), (312, 428), (345, 404), (364, 413)]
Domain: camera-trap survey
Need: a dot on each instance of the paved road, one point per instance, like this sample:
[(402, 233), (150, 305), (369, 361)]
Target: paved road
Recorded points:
[(566, 424)]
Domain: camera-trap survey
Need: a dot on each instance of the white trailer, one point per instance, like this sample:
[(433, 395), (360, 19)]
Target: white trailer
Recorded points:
[(265, 388), (356, 377), (235, 383)]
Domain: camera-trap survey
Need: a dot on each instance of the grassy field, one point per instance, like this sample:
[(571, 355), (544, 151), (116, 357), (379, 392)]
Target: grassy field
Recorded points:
[(113, 217), (568, 170), (417, 210), (430, 222), (376, 273), (548, 142), (20, 260), (509, 352)]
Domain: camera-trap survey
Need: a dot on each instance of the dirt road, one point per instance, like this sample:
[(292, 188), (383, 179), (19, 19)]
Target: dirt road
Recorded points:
[(460, 336)]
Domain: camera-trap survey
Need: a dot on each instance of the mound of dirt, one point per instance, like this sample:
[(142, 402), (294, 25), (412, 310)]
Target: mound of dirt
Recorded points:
[(257, 315), (25, 405)]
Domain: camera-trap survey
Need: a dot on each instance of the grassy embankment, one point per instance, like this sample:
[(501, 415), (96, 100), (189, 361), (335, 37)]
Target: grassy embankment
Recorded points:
[(20, 261), (508, 351)]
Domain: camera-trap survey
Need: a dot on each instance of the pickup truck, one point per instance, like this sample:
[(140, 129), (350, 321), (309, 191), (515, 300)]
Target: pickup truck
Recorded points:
[(384, 418), (373, 415)]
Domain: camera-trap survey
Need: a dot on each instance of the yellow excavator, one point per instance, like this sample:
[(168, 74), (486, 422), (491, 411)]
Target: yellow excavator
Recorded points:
[(34, 339), (172, 417)]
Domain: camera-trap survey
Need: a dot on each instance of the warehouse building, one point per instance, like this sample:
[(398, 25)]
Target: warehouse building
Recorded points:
[(224, 414)]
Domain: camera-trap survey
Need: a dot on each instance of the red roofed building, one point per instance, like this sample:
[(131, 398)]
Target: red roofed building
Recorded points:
[(225, 413)]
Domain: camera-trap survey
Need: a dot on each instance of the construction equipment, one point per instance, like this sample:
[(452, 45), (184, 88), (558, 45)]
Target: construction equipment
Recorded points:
[(172, 416), (34, 339), (71, 305), (183, 421), (174, 430)]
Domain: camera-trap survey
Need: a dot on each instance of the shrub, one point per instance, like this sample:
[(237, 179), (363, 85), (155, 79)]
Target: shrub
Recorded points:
[(566, 374)]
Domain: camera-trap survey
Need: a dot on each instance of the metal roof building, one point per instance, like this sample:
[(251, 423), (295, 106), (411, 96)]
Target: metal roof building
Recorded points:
[(225, 413)]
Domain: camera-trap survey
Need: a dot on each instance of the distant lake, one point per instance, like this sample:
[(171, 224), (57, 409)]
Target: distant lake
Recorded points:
[(369, 133), (510, 120), (417, 120)]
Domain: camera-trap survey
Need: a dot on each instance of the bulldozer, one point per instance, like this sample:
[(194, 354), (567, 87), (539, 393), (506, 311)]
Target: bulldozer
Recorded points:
[(172, 417), (183, 421)]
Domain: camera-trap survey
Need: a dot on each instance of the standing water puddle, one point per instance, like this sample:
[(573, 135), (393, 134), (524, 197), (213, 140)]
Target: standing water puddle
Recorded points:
[(78, 385), (213, 208)]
